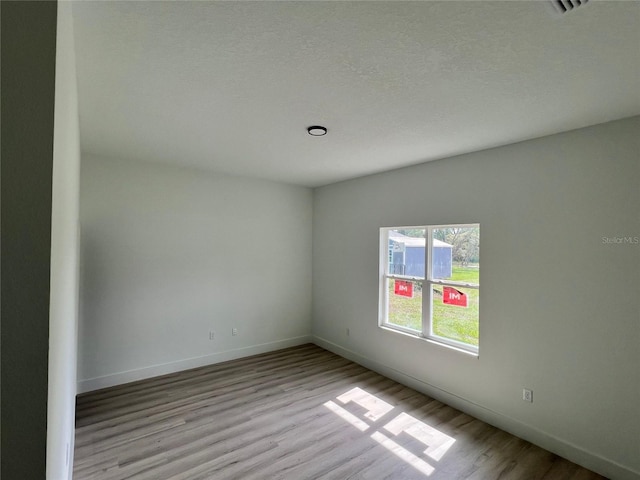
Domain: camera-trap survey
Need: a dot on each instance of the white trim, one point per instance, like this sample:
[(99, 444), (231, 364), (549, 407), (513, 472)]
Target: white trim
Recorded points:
[(559, 446), (392, 327), (383, 272), (395, 329), (448, 342), (453, 283), (404, 277), (427, 300), (120, 378)]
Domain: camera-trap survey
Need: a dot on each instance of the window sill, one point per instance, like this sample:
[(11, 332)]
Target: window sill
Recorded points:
[(429, 340)]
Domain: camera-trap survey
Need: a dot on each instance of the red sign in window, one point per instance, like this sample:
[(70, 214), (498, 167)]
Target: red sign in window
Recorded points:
[(404, 289), (451, 296)]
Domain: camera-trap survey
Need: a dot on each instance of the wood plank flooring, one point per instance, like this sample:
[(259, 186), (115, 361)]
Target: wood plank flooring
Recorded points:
[(295, 414)]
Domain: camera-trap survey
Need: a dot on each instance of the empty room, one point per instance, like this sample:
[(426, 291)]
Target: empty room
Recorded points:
[(241, 240)]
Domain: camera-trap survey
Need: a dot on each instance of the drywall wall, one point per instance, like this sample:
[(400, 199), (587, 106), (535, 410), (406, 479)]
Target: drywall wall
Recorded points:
[(559, 303), (28, 90), (170, 254), (63, 306)]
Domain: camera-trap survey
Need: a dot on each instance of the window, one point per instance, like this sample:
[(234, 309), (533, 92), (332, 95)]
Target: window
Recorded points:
[(430, 283)]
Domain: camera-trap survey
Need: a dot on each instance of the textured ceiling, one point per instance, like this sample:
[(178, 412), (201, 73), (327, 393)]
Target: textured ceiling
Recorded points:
[(232, 86)]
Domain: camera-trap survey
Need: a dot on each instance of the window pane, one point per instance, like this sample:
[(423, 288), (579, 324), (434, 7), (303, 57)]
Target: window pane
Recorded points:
[(405, 304), (455, 313), (456, 254), (406, 252)]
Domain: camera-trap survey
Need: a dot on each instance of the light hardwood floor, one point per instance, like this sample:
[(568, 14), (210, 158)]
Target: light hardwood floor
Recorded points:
[(300, 413)]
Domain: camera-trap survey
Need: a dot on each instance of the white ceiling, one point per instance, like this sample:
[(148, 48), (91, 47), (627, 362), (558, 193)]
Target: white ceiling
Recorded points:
[(232, 86)]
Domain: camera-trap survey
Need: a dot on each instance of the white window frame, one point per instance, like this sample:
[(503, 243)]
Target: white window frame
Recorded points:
[(427, 286)]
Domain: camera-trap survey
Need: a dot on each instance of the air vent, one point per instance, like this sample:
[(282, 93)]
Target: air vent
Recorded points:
[(564, 6)]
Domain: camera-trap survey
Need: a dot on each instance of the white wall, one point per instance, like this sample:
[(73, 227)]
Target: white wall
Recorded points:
[(559, 309), (63, 308), (169, 254)]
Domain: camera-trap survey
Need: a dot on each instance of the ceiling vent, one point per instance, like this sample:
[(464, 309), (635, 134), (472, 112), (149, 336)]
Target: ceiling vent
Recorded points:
[(564, 6)]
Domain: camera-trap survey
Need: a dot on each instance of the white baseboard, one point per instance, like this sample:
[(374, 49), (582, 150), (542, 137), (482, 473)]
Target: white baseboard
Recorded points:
[(97, 383), (542, 439)]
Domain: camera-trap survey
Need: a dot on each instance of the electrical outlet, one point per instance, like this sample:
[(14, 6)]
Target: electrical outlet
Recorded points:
[(527, 395), (212, 335), (234, 331)]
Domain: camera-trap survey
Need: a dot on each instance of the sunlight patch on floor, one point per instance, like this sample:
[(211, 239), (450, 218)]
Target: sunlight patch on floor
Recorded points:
[(376, 408), (436, 442), (349, 417), (403, 453)]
